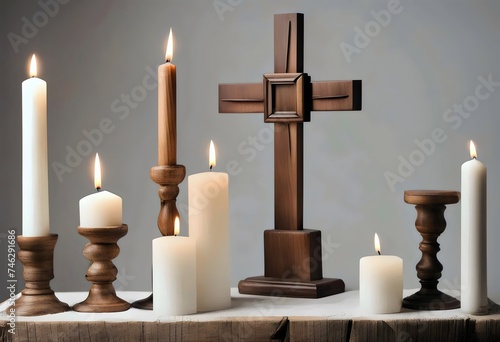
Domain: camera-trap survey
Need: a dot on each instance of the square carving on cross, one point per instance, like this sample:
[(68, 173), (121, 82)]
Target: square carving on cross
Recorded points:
[(285, 97)]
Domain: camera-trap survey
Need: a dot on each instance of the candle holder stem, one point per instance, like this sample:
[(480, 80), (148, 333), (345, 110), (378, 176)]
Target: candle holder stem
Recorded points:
[(37, 256), (168, 177), (430, 223), (102, 272)]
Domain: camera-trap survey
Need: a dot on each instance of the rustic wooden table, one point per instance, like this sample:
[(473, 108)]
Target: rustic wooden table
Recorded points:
[(256, 318)]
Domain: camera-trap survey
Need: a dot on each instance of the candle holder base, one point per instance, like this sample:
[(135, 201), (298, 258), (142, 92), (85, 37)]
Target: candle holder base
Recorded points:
[(37, 256), (430, 223), (144, 304), (430, 300), (102, 272)]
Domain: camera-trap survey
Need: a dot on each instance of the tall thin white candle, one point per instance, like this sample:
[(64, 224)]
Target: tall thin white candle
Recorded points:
[(474, 298), (209, 225), (35, 166)]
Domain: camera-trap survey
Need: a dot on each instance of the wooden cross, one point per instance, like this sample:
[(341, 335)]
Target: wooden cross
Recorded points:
[(287, 97)]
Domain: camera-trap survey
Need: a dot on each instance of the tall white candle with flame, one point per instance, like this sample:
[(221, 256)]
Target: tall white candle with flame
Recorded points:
[(474, 299), (209, 225), (380, 282), (35, 168), (102, 209), (174, 274)]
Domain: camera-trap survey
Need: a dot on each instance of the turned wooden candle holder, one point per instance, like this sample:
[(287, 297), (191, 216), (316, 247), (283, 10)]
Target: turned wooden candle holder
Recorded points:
[(102, 272), (37, 256), (430, 223), (168, 177)]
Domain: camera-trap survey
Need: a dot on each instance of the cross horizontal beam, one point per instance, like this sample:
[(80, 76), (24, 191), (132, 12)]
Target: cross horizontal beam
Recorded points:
[(326, 96)]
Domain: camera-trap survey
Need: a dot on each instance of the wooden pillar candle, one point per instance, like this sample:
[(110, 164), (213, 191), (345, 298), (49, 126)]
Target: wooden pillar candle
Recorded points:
[(174, 274), (474, 294), (380, 282), (209, 226), (36, 253)]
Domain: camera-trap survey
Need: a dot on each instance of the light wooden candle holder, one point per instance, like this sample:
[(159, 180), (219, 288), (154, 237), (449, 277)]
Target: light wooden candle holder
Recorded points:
[(168, 177), (102, 272), (37, 256), (430, 223)]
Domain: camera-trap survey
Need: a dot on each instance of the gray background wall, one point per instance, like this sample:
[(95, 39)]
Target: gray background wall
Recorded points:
[(416, 68)]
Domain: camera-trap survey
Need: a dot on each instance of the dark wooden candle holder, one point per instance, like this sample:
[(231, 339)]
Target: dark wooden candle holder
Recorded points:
[(102, 272), (37, 256), (430, 223), (168, 177)]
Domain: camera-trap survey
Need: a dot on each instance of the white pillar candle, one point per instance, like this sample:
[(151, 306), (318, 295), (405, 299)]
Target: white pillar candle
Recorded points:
[(102, 209), (174, 274), (380, 283), (474, 298), (209, 225), (35, 168)]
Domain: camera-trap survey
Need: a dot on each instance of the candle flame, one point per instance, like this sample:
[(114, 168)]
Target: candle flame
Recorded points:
[(473, 153), (176, 226), (97, 172), (170, 48), (376, 240), (33, 70), (211, 155)]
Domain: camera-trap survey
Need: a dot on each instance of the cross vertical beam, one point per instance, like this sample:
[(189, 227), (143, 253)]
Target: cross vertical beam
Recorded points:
[(288, 136)]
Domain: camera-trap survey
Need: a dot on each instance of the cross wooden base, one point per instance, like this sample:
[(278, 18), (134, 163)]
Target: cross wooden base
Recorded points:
[(277, 287), (293, 267)]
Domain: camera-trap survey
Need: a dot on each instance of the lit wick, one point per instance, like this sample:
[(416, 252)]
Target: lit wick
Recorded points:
[(97, 173), (211, 155), (377, 244), (176, 226)]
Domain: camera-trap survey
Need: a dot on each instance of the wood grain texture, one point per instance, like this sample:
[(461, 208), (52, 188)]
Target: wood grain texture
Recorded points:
[(36, 254), (430, 223), (267, 326), (102, 272), (289, 42), (336, 95), (241, 98)]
